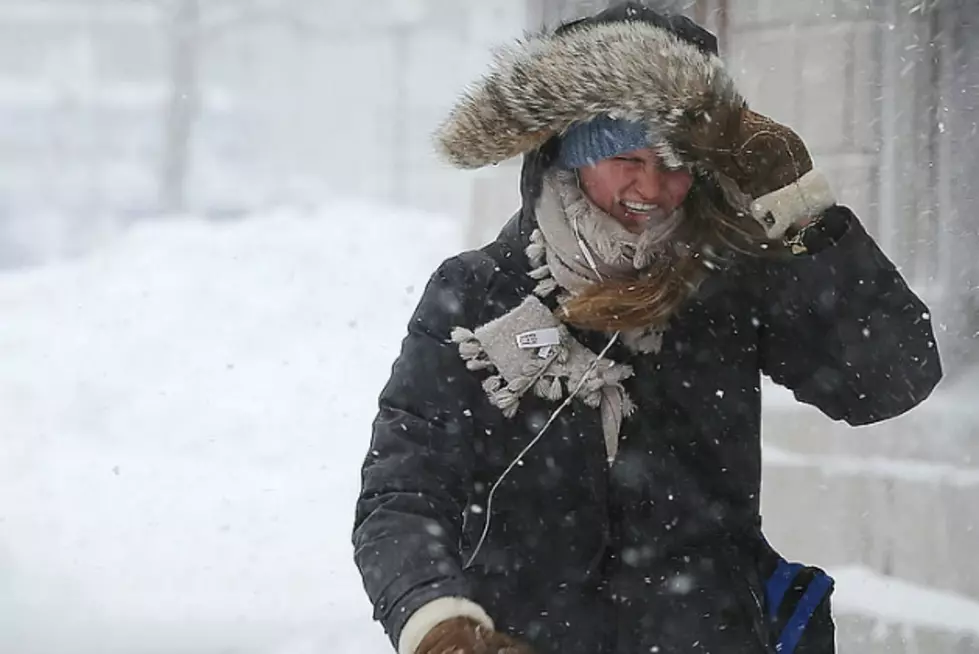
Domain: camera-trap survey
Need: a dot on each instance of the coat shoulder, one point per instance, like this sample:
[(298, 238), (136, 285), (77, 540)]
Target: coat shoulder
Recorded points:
[(476, 285), (457, 291)]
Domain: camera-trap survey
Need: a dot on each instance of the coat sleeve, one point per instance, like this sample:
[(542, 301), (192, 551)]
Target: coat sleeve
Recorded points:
[(417, 476), (842, 330)]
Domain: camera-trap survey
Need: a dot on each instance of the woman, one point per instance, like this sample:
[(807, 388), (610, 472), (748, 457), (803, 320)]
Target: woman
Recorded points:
[(567, 455)]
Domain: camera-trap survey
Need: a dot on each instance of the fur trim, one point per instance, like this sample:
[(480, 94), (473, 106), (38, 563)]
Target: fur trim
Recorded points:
[(429, 615), (539, 87), (792, 204)]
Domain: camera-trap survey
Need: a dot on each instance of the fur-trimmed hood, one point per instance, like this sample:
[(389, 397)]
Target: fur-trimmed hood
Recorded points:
[(628, 62), (633, 67)]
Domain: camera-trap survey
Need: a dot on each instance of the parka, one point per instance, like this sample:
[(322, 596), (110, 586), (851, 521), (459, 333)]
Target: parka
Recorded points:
[(660, 549)]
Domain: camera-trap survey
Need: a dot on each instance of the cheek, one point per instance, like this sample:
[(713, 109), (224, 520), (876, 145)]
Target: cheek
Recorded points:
[(602, 188), (678, 184)]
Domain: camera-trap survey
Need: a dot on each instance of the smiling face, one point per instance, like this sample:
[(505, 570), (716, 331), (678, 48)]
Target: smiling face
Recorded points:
[(635, 188)]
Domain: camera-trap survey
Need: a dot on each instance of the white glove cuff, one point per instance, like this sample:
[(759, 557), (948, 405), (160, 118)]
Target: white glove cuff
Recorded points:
[(429, 615), (793, 204)]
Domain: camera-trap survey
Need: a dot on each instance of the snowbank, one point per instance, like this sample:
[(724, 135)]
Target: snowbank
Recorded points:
[(183, 420)]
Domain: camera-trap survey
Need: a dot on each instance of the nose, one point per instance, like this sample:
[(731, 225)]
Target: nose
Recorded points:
[(649, 182)]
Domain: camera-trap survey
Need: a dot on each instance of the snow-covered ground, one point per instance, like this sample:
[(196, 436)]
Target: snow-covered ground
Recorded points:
[(183, 416)]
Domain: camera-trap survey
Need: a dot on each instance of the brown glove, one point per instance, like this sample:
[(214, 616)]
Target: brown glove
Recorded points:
[(769, 163), (466, 636), (759, 154)]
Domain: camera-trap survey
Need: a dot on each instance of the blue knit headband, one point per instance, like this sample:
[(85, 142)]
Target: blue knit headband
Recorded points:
[(585, 144)]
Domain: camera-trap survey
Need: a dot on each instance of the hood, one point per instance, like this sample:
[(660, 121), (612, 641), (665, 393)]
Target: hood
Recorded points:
[(628, 62)]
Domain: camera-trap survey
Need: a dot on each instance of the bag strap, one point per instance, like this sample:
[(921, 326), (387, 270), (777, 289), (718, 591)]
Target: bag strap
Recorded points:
[(778, 584), (775, 590), (788, 640)]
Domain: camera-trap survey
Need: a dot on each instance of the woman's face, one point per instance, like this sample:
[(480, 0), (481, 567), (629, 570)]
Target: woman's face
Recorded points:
[(635, 188)]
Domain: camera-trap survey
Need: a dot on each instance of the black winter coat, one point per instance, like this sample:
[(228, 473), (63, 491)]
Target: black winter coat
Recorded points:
[(663, 549)]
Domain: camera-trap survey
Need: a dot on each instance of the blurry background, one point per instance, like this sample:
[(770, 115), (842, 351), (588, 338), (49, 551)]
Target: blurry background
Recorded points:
[(216, 216)]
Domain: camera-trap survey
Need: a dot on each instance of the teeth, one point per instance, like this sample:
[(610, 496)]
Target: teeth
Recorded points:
[(640, 207)]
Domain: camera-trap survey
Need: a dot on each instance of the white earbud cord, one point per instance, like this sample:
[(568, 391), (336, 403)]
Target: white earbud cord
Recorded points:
[(554, 415), (531, 444)]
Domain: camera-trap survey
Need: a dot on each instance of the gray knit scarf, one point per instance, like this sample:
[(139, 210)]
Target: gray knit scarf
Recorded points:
[(575, 246), (578, 245)]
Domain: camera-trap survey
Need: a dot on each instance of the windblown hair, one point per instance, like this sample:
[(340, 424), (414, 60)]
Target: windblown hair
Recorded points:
[(716, 228)]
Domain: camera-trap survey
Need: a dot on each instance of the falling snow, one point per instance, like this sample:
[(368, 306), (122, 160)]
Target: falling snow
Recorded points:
[(186, 400)]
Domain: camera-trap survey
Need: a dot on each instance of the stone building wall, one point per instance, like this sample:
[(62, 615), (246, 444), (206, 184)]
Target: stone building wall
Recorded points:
[(877, 91)]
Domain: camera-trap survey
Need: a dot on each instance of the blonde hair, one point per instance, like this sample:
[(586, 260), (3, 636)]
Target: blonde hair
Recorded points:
[(716, 226)]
